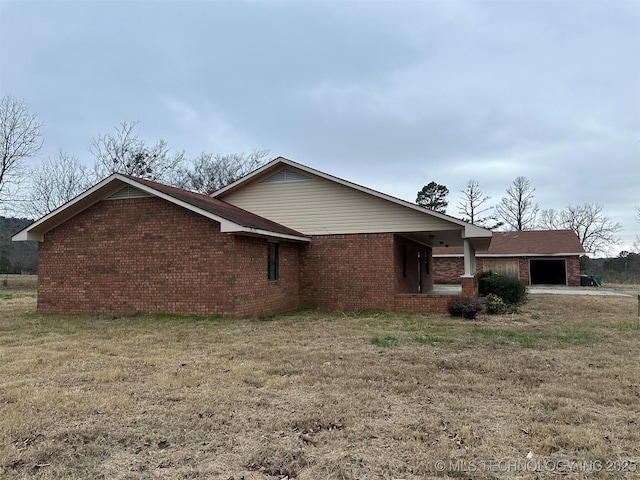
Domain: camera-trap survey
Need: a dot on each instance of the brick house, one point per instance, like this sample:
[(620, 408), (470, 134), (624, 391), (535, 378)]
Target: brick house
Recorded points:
[(284, 237), (549, 257)]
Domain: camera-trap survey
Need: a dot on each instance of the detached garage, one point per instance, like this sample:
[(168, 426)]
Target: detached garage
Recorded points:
[(544, 257)]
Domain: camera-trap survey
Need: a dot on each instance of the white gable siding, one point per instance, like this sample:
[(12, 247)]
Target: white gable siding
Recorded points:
[(317, 206)]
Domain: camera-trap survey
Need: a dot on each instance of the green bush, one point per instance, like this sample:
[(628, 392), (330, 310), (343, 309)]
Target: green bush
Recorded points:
[(511, 291), (495, 305), (464, 307)]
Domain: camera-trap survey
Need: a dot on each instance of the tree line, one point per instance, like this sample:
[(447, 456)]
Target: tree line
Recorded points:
[(16, 257)]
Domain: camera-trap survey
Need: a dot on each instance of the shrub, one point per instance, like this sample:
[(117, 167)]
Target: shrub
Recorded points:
[(495, 305), (464, 307), (511, 291)]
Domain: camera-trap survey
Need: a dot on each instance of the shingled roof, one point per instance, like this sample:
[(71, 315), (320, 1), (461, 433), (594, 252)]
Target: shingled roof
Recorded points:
[(525, 243), (218, 207), (232, 219)]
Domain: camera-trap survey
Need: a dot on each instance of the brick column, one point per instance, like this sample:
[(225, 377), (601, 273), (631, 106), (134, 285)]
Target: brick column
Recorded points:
[(470, 285)]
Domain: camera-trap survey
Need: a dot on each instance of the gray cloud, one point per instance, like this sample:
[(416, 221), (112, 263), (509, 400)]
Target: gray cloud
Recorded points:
[(391, 95)]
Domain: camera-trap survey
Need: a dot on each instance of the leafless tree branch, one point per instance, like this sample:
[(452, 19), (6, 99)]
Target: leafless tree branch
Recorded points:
[(20, 138), (517, 209), (125, 152), (209, 172), (55, 182), (474, 204)]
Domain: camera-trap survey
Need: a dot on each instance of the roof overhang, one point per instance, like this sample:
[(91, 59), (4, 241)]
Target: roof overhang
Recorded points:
[(479, 237), (446, 238), (509, 255), (113, 183)]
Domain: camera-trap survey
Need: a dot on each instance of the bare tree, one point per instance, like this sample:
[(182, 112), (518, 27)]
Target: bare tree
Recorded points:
[(208, 173), (20, 138), (517, 209), (125, 152), (474, 204), (550, 220), (596, 231), (55, 182)]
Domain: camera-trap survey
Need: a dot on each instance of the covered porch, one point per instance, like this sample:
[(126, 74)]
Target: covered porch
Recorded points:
[(416, 291)]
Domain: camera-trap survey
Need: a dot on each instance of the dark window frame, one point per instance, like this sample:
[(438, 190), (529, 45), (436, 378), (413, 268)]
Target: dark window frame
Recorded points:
[(273, 261), (404, 260)]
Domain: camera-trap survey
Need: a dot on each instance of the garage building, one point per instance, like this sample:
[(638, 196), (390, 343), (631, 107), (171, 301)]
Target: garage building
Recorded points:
[(540, 257)]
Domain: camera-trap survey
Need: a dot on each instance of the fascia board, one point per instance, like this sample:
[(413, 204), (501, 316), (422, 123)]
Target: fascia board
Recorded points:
[(473, 231), (232, 228), (58, 216)]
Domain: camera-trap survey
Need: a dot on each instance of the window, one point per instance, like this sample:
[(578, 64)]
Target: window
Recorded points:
[(404, 261), (272, 266)]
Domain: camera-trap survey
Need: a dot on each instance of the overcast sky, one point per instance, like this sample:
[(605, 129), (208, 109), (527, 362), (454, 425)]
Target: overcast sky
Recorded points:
[(387, 94)]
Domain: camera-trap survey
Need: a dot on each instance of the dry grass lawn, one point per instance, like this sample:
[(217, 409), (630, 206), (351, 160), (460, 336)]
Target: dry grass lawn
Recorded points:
[(310, 395)]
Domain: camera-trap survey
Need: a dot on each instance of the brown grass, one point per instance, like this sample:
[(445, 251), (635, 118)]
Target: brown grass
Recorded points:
[(315, 396), (18, 283)]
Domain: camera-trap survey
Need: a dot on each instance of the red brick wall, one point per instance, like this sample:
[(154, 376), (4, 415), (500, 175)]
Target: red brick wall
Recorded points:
[(252, 294), (448, 270), (470, 285), (523, 271), (418, 303), (359, 271), (573, 271), (148, 255), (348, 272)]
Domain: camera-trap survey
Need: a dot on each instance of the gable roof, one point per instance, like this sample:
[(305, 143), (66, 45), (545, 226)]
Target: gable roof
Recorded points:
[(482, 236), (232, 219), (524, 243)]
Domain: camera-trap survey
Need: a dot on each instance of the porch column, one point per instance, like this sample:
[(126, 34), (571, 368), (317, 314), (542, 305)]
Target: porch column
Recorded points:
[(469, 259), (469, 279)]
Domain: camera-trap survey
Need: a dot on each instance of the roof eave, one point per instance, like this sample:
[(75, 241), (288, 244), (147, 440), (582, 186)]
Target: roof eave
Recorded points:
[(262, 233)]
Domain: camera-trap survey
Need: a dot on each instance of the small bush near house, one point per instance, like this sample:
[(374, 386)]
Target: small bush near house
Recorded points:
[(495, 305), (511, 291), (464, 307)]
